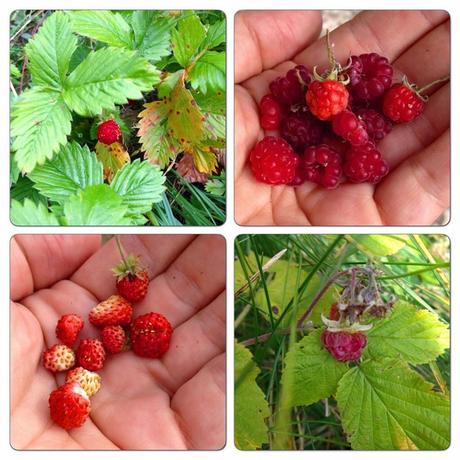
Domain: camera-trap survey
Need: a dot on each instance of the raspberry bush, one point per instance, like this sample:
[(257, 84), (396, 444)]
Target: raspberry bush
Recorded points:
[(343, 332), (118, 124)]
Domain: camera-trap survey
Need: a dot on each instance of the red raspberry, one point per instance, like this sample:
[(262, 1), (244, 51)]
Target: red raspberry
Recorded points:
[(326, 98), (402, 104), (344, 346), (290, 89), (150, 335), (301, 130), (270, 112), (108, 132), (377, 125), (322, 165), (370, 75), (364, 163), (348, 126), (273, 161)]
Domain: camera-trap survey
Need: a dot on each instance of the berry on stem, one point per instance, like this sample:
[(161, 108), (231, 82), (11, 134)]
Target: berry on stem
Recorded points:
[(150, 335), (67, 329), (89, 381), (58, 358), (273, 161), (322, 165), (108, 132), (69, 406), (344, 346), (91, 354), (132, 280)]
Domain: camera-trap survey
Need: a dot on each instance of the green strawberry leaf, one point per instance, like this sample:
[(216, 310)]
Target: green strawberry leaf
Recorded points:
[(40, 124), (106, 26), (107, 77), (187, 38), (379, 245), (140, 184), (72, 169), (24, 188), (213, 103), (413, 335), (50, 51), (30, 213), (310, 371), (214, 36), (208, 72), (388, 406), (152, 34), (251, 408), (96, 205)]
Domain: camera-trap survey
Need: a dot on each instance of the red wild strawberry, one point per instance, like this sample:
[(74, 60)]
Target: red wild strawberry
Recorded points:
[(322, 165), (108, 132), (58, 358), (348, 126), (89, 381), (326, 98), (113, 338), (150, 335), (273, 161), (364, 163), (290, 89), (402, 103), (68, 328), (111, 312), (69, 406), (370, 75), (270, 112), (91, 354), (301, 129), (344, 346)]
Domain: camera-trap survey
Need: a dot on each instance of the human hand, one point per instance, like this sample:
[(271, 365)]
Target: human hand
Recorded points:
[(416, 191), (176, 402)]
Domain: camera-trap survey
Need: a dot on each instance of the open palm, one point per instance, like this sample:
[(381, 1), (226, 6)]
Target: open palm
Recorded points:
[(416, 191), (177, 402)]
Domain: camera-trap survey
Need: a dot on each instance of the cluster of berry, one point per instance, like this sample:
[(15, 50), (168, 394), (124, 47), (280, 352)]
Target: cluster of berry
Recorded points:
[(147, 335), (329, 126)]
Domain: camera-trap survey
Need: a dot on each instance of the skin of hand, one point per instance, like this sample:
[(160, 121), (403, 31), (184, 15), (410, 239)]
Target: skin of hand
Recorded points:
[(417, 189), (176, 402)]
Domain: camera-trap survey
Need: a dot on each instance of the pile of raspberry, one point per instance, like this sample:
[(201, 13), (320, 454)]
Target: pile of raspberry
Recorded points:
[(329, 127)]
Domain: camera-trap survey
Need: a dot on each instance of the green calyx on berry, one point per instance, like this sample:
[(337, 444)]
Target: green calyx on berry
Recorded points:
[(419, 91), (129, 265), (335, 71)]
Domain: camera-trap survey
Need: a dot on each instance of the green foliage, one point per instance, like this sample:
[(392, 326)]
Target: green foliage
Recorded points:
[(251, 408), (85, 66), (30, 213), (388, 406)]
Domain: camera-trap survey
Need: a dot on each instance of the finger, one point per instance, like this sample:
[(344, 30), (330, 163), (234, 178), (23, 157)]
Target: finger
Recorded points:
[(417, 192), (38, 261), (190, 283), (373, 32), (200, 404), (263, 39), (196, 342), (156, 253)]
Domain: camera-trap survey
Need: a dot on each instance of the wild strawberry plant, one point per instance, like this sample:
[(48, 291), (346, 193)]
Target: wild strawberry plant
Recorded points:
[(118, 118), (342, 342)]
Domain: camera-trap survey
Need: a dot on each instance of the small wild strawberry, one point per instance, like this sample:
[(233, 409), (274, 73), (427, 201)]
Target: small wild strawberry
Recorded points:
[(69, 406), (114, 311), (58, 358), (114, 339), (108, 132), (150, 335), (68, 328), (91, 354), (89, 381)]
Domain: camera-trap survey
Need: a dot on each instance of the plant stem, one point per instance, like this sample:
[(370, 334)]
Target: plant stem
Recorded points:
[(433, 83), (122, 253)]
